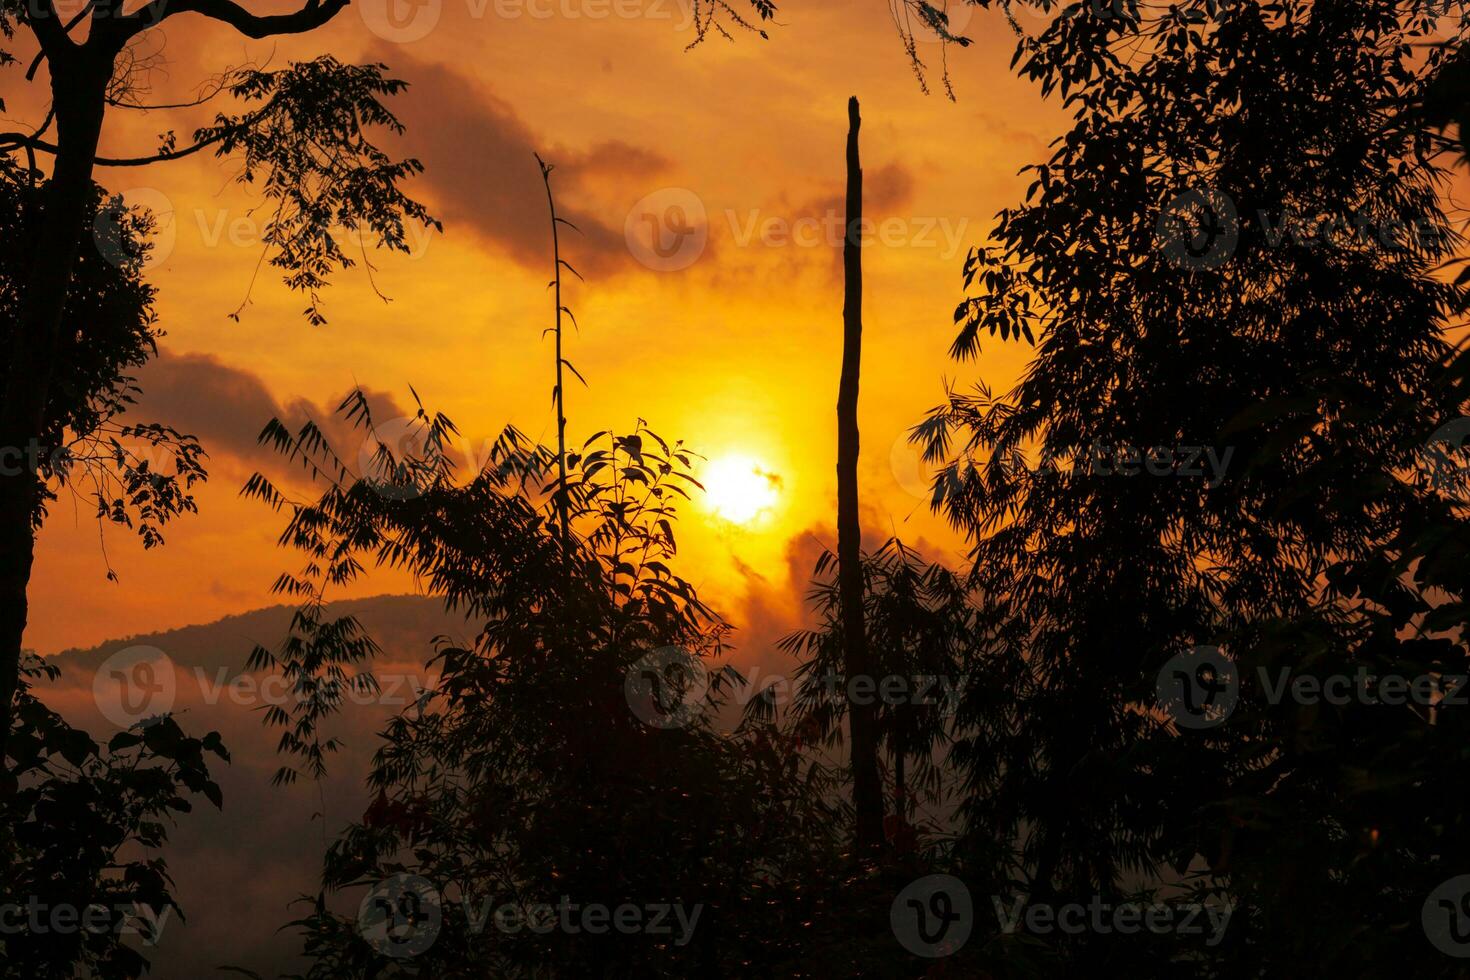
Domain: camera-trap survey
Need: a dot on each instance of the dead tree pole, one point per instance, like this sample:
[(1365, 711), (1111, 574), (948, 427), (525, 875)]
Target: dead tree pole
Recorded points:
[(560, 392), (867, 789)]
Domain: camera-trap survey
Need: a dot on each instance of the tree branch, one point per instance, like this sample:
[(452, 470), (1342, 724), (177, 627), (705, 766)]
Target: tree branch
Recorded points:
[(45, 23), (10, 141), (32, 142), (308, 18), (41, 55)]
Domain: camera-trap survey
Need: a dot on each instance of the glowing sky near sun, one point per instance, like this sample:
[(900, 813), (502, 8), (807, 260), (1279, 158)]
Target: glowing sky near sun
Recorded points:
[(740, 489), (734, 348)]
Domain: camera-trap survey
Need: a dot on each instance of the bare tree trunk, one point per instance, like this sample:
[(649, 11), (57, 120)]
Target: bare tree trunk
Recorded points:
[(561, 413), (867, 788), (900, 785), (78, 87)]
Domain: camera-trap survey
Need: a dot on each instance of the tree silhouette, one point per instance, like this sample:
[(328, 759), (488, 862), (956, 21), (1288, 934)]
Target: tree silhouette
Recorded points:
[(558, 394), (82, 826), (1233, 248), (541, 764), (867, 789), (84, 449), (80, 822), (304, 134), (920, 624)]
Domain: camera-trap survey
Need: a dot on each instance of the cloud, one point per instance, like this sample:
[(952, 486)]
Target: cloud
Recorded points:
[(479, 161), (199, 394), (772, 608), (793, 236), (887, 190), (481, 176), (226, 408)]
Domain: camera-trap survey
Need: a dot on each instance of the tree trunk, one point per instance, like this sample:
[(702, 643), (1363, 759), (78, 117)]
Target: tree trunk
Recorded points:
[(900, 786), (560, 392), (867, 789), (78, 87)]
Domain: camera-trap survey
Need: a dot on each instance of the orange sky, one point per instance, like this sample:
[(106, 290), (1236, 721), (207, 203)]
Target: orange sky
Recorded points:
[(737, 353)]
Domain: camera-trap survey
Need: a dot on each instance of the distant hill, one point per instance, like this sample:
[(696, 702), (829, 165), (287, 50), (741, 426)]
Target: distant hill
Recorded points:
[(403, 625), (237, 869)]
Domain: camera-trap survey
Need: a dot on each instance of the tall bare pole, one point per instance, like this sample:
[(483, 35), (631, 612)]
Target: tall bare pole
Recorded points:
[(560, 392), (867, 788)]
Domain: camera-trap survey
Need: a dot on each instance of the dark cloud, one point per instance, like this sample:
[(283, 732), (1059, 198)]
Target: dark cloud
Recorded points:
[(226, 408), (478, 159), (887, 191), (770, 609), (201, 395), (612, 158), (808, 231)]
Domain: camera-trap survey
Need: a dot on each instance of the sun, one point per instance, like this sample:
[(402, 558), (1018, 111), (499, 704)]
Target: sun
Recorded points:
[(739, 489)]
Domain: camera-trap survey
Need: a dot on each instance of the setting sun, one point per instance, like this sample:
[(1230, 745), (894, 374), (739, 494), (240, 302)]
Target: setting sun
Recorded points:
[(739, 489)]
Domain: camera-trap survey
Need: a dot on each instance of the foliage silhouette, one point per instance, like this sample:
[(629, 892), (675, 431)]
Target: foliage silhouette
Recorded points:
[(82, 826), (303, 137), (1234, 247), (84, 447), (532, 769), (72, 813), (921, 624)]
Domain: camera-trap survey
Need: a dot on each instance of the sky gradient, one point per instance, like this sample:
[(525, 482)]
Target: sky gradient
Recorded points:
[(731, 342)]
